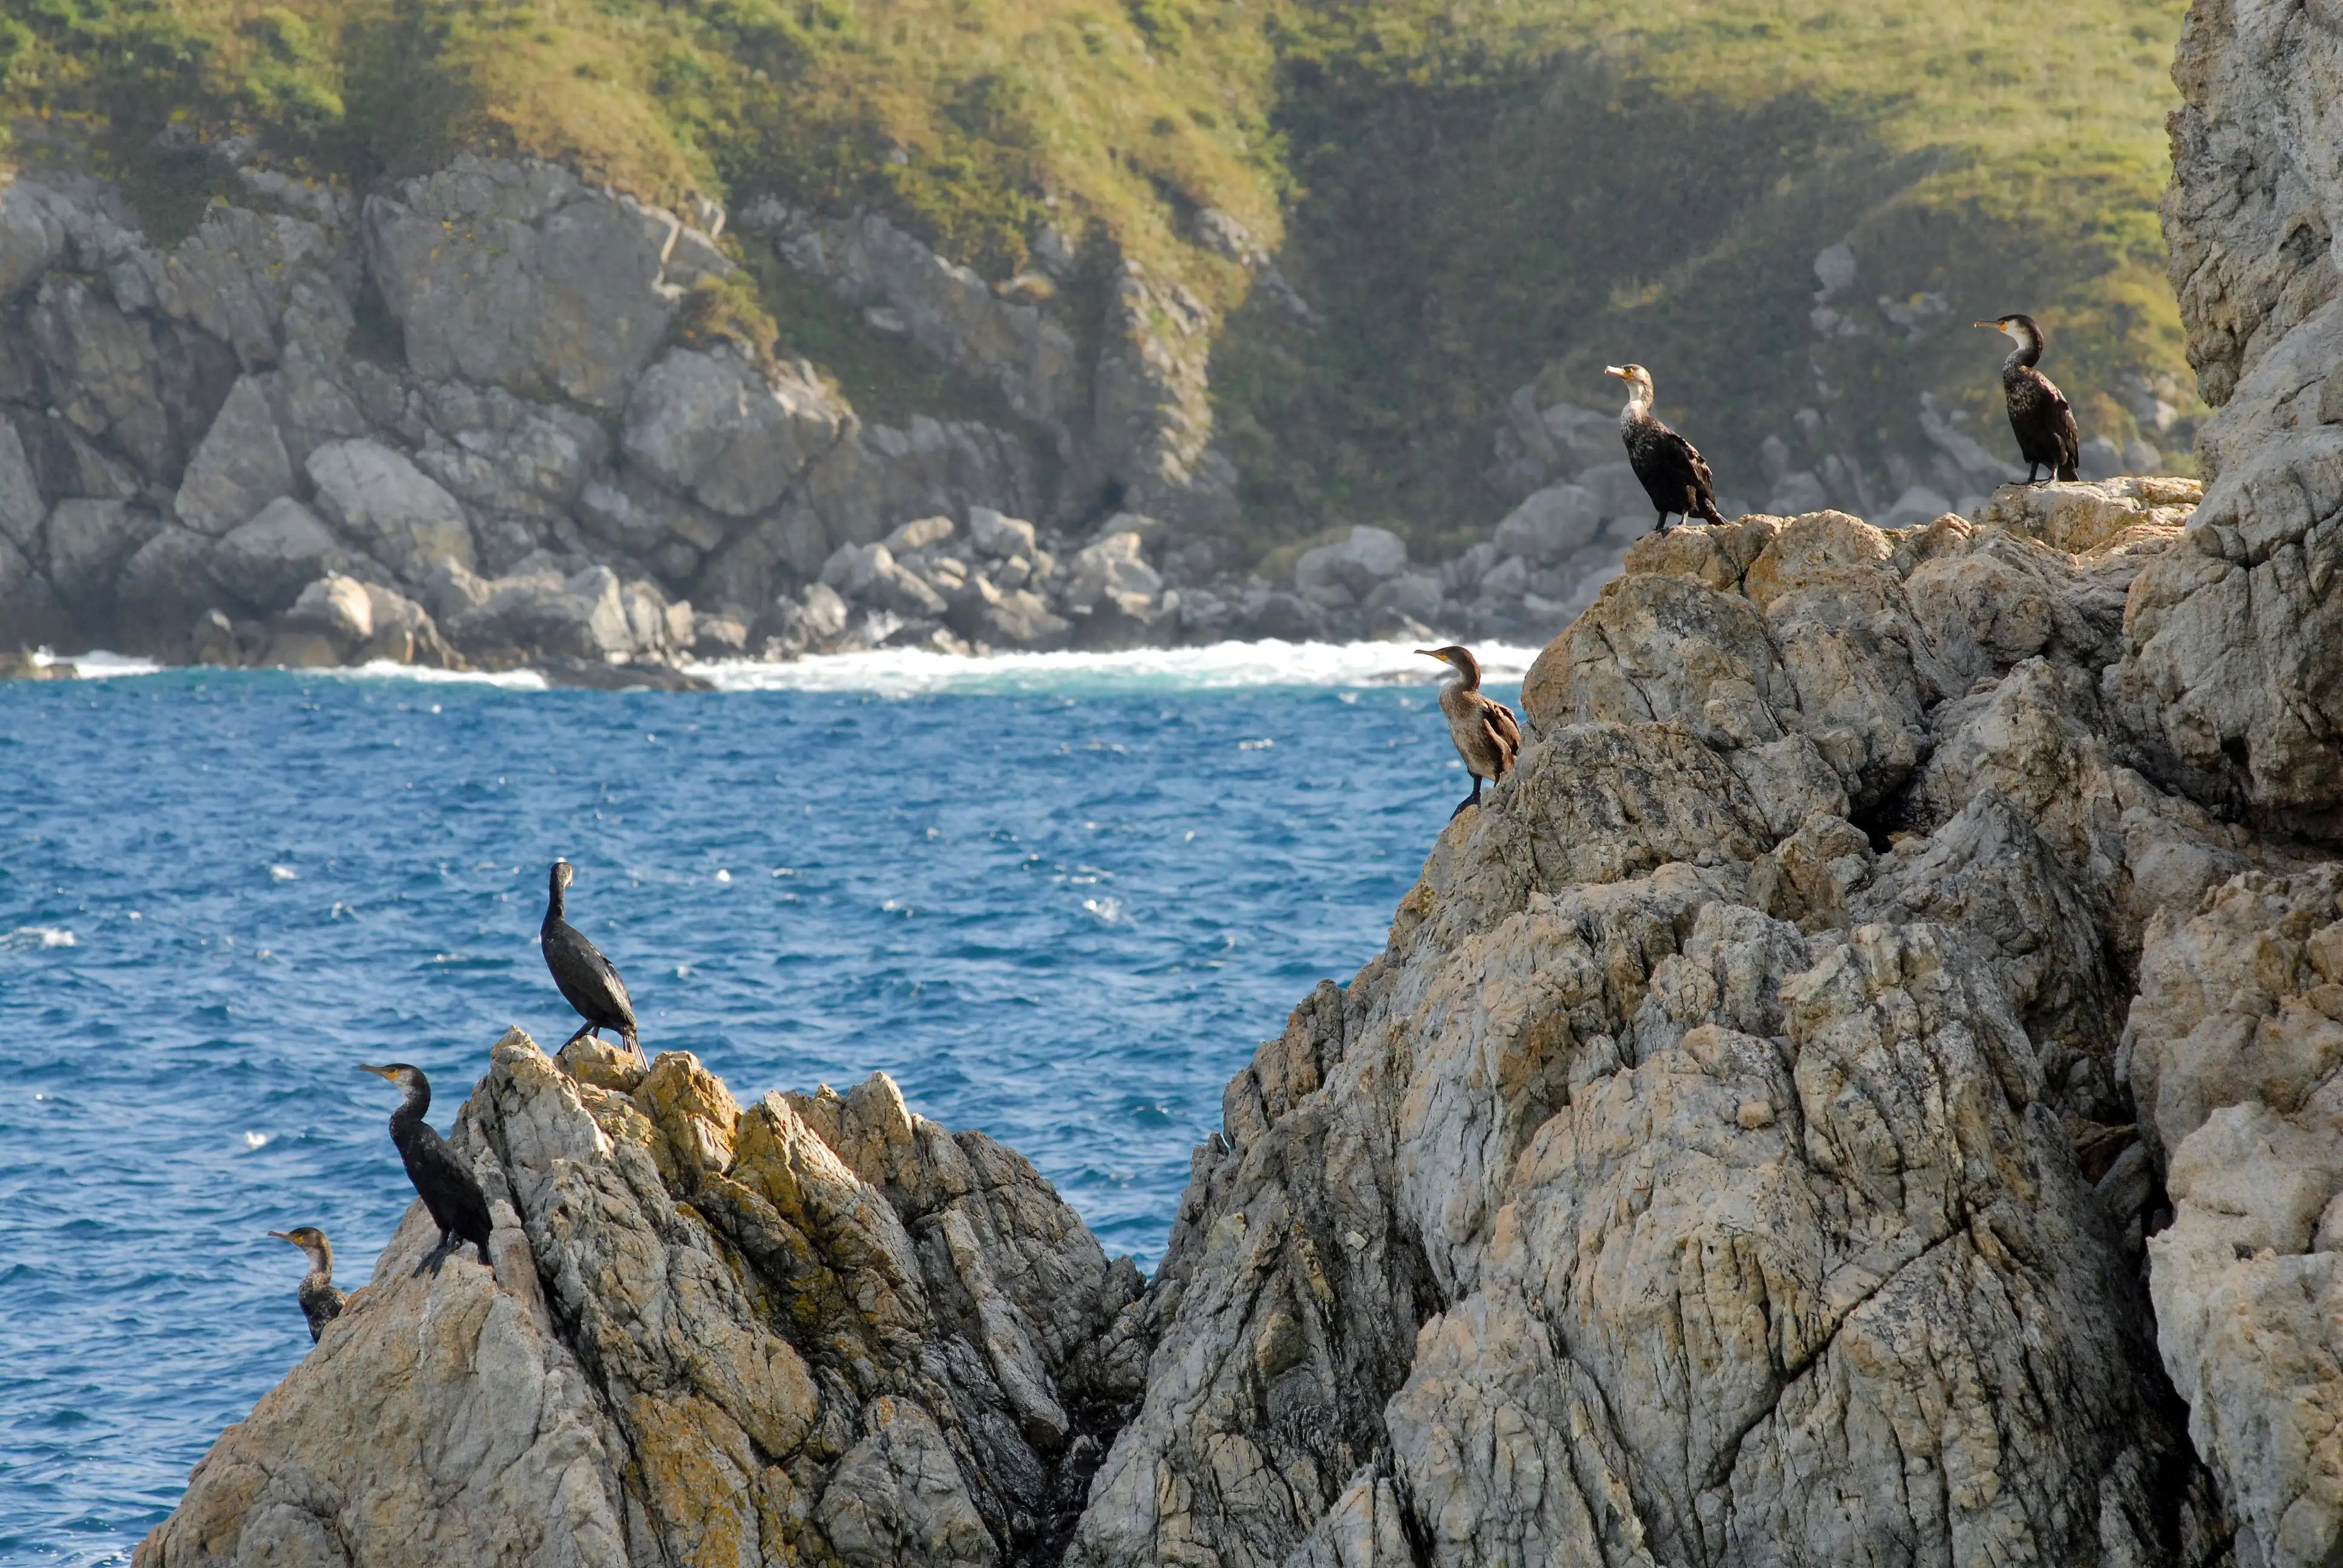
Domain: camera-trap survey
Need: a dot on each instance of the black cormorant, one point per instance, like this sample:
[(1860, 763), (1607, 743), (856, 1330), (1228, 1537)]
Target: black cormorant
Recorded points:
[(321, 1300), (444, 1183), (1486, 736), (2038, 412), (1672, 470), (588, 981)]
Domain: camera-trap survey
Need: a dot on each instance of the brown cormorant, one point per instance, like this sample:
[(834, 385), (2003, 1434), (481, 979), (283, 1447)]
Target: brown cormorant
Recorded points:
[(1486, 736), (588, 981), (1672, 470), (442, 1180), (321, 1300), (2038, 412)]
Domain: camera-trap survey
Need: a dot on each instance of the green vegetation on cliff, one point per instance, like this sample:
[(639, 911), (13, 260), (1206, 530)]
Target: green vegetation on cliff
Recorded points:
[(1473, 194)]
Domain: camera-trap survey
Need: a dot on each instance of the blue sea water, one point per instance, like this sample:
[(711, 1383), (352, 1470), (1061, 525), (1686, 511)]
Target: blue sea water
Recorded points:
[(1060, 900)]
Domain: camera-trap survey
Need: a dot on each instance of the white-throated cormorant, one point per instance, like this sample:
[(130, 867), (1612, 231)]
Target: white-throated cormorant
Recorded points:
[(2038, 412), (444, 1183), (1672, 472), (588, 981), (321, 1300), (1486, 736)]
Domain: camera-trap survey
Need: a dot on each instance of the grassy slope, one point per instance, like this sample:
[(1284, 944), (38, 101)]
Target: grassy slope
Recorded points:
[(1481, 192)]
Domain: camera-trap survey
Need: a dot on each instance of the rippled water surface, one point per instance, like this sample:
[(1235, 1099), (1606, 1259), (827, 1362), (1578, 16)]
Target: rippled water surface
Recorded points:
[(1058, 900)]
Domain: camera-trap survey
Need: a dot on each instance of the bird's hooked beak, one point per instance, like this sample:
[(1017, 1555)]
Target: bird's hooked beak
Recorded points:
[(1615, 370), (1433, 653), (283, 1237), (378, 1072)]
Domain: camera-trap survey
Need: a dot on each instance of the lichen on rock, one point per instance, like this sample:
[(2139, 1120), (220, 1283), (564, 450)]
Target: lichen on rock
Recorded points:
[(712, 1335)]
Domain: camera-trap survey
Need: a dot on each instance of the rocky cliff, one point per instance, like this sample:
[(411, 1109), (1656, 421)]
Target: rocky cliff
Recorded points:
[(482, 416)]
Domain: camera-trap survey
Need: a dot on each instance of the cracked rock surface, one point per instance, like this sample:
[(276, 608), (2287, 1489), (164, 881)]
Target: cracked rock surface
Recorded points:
[(812, 1329), (1731, 1160)]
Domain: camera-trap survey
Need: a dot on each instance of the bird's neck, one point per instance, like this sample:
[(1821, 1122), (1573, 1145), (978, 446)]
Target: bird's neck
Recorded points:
[(410, 1114), (321, 1265), (2029, 351), (556, 905), (1639, 407), (1468, 675)]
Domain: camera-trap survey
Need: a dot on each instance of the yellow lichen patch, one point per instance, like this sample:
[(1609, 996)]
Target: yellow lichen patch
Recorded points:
[(695, 1113), (694, 1466)]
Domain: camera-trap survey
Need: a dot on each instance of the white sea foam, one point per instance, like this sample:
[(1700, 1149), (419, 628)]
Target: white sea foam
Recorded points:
[(384, 670), (38, 936), (283, 874), (906, 672), (914, 672), (99, 664)]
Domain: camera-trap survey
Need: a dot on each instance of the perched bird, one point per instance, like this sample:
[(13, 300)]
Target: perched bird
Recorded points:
[(1672, 470), (321, 1300), (588, 981), (444, 1183), (1483, 728), (2038, 412)]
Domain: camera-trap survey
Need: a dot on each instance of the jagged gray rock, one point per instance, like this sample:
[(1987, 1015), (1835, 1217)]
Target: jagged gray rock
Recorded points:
[(396, 513), (1690, 1153), (816, 1329)]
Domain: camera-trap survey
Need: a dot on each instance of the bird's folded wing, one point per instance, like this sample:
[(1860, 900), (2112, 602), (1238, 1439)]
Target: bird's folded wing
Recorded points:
[(1504, 732)]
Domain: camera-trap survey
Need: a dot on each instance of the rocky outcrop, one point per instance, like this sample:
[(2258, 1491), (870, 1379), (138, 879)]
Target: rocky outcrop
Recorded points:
[(814, 1329), (1730, 1159), (476, 372)]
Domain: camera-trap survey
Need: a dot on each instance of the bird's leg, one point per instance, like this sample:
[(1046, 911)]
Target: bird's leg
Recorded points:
[(582, 1034), (1471, 800), (436, 1256), (483, 1246), (636, 1045), (1660, 524)]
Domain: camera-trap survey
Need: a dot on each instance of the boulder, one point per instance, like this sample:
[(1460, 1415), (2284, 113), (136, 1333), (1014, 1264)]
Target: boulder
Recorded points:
[(1356, 565), (1110, 566), (1414, 594), (1551, 525), (516, 274), (240, 465), (506, 455), (379, 500), (920, 534), (165, 588), (712, 426), (1617, 492), (1007, 617), (87, 543), (541, 614), (870, 575), (1002, 537), (337, 607)]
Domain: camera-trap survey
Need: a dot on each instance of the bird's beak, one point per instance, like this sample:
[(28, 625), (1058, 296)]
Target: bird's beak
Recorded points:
[(377, 1071), (1614, 371), (1430, 654), (283, 1237), (1995, 324)]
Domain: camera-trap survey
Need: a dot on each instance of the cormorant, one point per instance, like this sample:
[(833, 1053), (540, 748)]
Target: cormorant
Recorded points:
[(588, 981), (2038, 412), (444, 1183), (321, 1300), (1674, 473), (1486, 736)]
